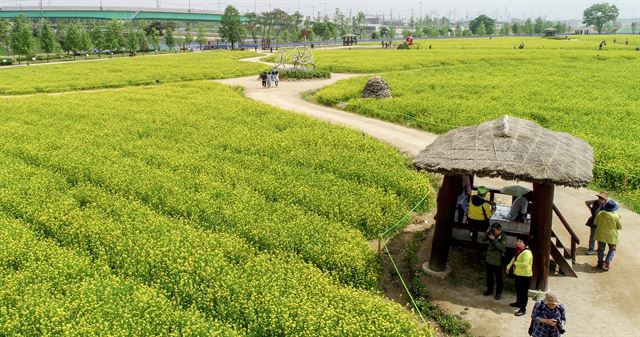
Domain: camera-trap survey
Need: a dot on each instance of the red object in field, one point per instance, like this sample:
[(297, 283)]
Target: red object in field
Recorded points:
[(409, 40)]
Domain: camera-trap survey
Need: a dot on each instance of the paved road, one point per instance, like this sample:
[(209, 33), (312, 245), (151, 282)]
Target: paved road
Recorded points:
[(598, 304)]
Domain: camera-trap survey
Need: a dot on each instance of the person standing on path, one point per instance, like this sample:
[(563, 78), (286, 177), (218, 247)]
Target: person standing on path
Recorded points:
[(608, 223), (595, 206), (263, 77), (269, 81), (497, 244), (276, 77), (522, 264), (548, 317)]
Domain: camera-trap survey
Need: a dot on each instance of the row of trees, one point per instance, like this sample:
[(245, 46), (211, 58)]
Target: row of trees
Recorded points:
[(24, 38), (279, 26)]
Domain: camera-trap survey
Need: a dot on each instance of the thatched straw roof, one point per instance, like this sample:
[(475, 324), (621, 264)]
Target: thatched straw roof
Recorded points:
[(510, 148)]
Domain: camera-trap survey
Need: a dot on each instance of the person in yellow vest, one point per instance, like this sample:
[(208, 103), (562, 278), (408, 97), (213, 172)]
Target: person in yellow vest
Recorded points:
[(480, 211), (521, 268), (608, 223)]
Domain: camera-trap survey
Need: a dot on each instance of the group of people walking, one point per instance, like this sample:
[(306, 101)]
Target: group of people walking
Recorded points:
[(270, 79), (604, 224)]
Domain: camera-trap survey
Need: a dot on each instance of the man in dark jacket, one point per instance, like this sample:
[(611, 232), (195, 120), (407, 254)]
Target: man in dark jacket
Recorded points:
[(497, 243), (595, 206)]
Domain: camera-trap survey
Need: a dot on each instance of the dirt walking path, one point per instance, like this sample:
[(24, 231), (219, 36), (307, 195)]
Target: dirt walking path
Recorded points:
[(598, 303)]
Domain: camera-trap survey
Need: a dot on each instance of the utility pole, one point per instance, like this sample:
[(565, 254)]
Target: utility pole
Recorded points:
[(218, 5), (313, 12), (189, 6), (298, 6), (420, 10), (158, 3)]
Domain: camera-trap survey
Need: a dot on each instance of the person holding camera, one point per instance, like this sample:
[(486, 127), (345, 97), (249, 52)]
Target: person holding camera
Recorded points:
[(548, 317), (497, 243)]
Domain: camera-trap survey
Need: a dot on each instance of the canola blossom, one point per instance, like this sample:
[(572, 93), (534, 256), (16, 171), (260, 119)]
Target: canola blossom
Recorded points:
[(243, 218)]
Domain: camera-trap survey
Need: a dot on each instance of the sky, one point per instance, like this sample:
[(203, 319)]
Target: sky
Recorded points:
[(453, 9)]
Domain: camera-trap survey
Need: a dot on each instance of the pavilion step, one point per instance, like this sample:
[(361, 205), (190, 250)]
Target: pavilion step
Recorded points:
[(566, 252), (564, 264)]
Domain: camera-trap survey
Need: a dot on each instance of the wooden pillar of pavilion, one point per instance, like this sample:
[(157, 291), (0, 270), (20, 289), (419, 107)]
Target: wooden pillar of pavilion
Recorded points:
[(541, 220), (447, 198)]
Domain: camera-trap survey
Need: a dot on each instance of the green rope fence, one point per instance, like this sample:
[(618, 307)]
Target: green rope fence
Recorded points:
[(382, 244)]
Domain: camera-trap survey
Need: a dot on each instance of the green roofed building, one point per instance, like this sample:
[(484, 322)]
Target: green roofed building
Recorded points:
[(109, 13)]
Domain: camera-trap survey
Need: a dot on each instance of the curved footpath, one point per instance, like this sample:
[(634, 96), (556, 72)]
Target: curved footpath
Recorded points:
[(598, 303)]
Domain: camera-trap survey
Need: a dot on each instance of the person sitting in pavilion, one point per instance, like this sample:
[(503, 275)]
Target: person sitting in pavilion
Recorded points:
[(519, 207), (480, 211)]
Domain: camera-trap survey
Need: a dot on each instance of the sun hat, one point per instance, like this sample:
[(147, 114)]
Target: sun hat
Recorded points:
[(604, 195), (611, 206), (551, 297), (482, 190)]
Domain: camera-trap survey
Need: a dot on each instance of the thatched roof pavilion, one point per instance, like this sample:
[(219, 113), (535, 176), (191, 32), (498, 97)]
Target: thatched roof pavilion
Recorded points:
[(512, 149), (509, 148)]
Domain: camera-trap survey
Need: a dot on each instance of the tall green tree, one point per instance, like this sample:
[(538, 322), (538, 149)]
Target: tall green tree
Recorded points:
[(231, 28), (528, 26), (251, 25), (155, 40), (85, 41), (98, 38), (599, 15), (539, 25), (488, 23), (115, 37), (341, 22), (505, 29), (384, 32), (22, 42), (481, 29), (516, 28), (358, 23), (169, 40), (48, 42), (5, 35), (188, 38), (634, 27), (132, 40), (561, 27), (72, 39), (202, 37), (392, 32), (143, 41), (458, 29)]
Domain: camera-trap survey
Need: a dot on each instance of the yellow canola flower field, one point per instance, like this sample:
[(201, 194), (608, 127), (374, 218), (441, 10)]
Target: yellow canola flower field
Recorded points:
[(51, 291), (564, 85), (252, 217), (126, 72)]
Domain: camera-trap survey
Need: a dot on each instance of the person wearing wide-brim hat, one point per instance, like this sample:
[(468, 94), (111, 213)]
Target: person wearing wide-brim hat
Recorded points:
[(595, 206), (548, 317), (608, 223)]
